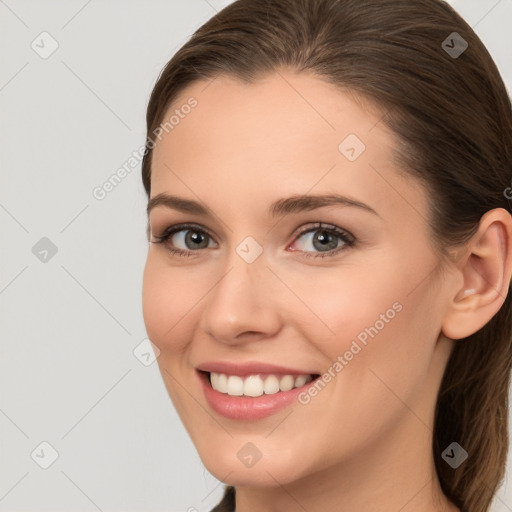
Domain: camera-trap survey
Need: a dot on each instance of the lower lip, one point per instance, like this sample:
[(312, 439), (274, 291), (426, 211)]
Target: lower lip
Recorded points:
[(248, 408)]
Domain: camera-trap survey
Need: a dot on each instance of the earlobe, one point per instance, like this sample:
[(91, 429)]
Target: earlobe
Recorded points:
[(486, 269)]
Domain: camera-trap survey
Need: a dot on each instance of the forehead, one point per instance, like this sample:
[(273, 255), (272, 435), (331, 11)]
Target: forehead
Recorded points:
[(280, 109), (285, 133)]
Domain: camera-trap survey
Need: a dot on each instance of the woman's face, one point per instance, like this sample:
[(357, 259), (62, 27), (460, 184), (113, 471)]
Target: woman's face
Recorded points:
[(359, 301)]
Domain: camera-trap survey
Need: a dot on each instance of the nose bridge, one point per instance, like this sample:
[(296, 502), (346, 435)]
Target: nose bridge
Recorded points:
[(245, 267), (241, 300)]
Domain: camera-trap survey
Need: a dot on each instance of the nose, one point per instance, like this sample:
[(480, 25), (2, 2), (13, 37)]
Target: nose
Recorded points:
[(243, 304)]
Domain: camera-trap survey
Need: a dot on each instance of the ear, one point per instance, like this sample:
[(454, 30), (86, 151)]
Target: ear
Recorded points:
[(485, 270)]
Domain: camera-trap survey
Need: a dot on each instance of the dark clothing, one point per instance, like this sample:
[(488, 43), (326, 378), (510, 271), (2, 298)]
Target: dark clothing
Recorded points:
[(227, 504)]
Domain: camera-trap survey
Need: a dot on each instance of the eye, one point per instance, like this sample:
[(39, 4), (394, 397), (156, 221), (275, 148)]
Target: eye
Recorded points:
[(321, 237), (324, 238), (191, 236)]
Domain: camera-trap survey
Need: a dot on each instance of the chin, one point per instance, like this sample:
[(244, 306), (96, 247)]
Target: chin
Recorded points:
[(265, 472)]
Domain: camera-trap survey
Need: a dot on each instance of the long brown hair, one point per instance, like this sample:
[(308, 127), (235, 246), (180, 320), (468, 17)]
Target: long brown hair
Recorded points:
[(452, 116)]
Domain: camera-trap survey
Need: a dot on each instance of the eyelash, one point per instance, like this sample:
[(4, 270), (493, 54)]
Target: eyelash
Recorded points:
[(347, 238)]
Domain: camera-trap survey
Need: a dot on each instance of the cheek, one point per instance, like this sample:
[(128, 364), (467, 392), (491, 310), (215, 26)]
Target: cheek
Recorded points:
[(382, 298), (168, 300), (167, 303), (374, 321), (340, 303), (387, 340)]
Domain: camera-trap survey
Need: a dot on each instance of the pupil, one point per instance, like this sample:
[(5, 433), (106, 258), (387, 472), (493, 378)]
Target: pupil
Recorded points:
[(323, 238), (195, 238)]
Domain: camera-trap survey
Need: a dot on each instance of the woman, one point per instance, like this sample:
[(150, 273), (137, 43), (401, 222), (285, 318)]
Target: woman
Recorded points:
[(328, 279)]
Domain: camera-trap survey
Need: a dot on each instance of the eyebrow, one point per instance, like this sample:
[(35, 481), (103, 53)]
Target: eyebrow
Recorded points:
[(285, 206)]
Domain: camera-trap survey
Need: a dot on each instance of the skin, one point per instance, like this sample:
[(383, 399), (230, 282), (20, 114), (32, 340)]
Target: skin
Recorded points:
[(364, 442)]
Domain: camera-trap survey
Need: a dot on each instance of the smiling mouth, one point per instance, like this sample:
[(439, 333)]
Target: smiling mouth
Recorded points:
[(255, 385)]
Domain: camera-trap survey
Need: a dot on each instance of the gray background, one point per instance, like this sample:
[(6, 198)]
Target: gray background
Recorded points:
[(70, 324)]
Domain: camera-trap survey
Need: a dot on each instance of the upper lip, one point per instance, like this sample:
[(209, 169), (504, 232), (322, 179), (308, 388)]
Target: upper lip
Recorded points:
[(248, 368)]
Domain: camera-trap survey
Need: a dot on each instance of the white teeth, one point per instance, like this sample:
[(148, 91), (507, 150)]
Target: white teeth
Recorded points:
[(287, 383), (222, 382), (300, 381), (254, 385), (271, 385), (235, 385)]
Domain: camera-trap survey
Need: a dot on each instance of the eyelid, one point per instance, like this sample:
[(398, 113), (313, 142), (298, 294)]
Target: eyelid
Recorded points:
[(184, 226), (173, 229), (328, 227)]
